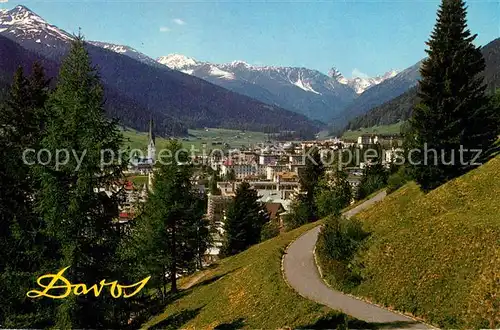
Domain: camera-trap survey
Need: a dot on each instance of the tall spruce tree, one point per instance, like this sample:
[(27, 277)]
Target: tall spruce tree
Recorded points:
[(24, 248), (375, 174), (309, 178), (454, 112), (76, 211), (171, 234), (244, 220), (333, 193)]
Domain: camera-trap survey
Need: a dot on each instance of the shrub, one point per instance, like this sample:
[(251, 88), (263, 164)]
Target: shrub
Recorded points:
[(374, 178), (397, 180), (338, 242), (298, 215), (269, 230)]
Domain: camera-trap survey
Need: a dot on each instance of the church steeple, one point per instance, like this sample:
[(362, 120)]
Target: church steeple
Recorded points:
[(152, 143), (151, 132)]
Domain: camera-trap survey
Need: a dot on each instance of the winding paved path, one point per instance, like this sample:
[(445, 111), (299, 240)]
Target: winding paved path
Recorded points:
[(302, 274)]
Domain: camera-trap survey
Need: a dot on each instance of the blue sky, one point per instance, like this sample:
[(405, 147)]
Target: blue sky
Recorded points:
[(367, 37)]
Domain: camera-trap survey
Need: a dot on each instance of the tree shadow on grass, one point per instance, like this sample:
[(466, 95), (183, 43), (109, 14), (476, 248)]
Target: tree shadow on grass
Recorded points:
[(145, 307), (211, 279), (177, 320), (341, 321), (234, 325), (393, 325)]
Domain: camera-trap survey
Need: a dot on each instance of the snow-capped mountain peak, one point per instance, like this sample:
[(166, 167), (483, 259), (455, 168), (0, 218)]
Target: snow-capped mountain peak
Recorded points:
[(23, 25), (303, 90), (20, 22), (114, 47), (361, 84), (125, 50), (177, 61), (240, 63), (391, 73)]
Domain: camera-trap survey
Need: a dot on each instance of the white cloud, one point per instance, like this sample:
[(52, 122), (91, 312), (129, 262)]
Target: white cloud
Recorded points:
[(357, 73), (162, 29), (4, 1), (178, 21)]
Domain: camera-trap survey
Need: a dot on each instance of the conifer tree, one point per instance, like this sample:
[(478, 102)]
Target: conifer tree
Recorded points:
[(333, 194), (171, 234), (299, 213), (230, 175), (374, 178), (25, 251), (453, 112), (309, 178), (212, 183), (76, 211), (244, 220)]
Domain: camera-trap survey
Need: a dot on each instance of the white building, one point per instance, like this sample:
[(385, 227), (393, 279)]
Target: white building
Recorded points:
[(241, 171), (271, 169), (265, 159), (367, 139), (391, 155)]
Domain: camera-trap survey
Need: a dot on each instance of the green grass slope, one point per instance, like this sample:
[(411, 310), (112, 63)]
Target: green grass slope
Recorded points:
[(248, 291), (437, 256)]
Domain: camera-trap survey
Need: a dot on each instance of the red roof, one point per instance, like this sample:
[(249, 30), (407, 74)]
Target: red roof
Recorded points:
[(126, 215), (129, 185), (274, 209)]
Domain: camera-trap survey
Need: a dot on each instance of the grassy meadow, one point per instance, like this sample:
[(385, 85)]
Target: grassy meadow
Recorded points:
[(199, 139), (248, 291), (437, 256), (385, 129)]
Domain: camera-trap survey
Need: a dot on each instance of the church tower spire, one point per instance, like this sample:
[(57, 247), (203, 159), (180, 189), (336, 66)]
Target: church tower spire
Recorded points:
[(151, 132), (152, 143)]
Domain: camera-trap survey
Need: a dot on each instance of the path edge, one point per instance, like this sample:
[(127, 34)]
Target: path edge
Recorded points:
[(363, 299)]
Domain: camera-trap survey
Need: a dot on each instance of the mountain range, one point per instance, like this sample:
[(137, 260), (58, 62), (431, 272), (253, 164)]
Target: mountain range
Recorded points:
[(306, 91), (400, 108), (178, 92), (137, 88)]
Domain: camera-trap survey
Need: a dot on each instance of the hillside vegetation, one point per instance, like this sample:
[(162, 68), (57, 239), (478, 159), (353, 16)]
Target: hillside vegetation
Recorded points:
[(437, 256), (248, 291), (394, 111)]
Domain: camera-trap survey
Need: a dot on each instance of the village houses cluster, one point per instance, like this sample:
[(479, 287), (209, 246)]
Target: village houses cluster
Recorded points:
[(271, 168)]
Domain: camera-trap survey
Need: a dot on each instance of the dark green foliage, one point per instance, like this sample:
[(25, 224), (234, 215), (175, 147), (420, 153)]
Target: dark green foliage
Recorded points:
[(269, 230), (76, 215), (338, 242), (244, 220), (398, 179), (299, 213), (333, 194), (171, 233), (211, 178), (230, 175), (375, 177), (390, 112), (309, 178), (25, 250), (453, 112)]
